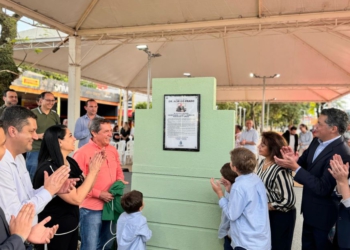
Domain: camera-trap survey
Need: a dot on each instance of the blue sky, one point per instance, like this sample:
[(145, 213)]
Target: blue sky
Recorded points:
[(24, 26)]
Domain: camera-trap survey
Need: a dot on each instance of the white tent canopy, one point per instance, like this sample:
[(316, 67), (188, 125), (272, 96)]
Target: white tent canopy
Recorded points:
[(307, 42)]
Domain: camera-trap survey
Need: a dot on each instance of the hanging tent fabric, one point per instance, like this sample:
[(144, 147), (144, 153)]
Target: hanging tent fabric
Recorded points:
[(307, 42)]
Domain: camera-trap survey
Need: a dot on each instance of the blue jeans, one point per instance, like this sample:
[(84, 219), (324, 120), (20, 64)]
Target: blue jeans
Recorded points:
[(93, 231), (32, 163)]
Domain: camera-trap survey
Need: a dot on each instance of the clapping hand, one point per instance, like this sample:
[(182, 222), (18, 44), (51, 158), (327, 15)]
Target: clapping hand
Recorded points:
[(68, 186), (216, 187), (226, 184), (96, 161), (289, 159), (54, 182), (22, 224), (41, 234), (288, 151), (339, 170)]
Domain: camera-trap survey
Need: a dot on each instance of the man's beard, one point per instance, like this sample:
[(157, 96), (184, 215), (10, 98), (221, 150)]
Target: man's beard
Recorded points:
[(9, 104)]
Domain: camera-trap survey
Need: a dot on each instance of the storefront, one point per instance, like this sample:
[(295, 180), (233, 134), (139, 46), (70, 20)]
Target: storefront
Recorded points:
[(30, 85)]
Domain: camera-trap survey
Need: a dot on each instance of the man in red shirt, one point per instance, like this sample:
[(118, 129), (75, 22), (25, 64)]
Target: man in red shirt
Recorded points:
[(95, 232)]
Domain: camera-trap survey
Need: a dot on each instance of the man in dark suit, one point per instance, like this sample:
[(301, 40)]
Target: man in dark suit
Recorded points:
[(13, 236), (311, 170), (12, 240), (291, 137)]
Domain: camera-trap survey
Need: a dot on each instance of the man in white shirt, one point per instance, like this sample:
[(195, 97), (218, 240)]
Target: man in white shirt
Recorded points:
[(16, 187), (250, 137)]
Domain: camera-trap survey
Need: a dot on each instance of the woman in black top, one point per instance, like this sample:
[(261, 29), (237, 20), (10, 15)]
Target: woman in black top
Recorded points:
[(116, 134), (57, 143), (125, 132), (279, 188)]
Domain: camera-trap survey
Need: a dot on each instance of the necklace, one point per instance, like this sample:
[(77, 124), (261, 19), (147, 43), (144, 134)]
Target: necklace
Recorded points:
[(267, 164)]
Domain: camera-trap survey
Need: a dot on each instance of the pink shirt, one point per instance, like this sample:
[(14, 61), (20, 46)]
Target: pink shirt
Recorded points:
[(109, 173)]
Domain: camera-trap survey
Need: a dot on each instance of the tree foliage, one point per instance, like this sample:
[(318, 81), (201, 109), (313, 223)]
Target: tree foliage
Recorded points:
[(8, 69), (280, 114), (253, 110), (290, 113), (143, 105)]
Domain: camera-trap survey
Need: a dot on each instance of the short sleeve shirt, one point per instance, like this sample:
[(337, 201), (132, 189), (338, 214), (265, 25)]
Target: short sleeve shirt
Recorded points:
[(44, 121)]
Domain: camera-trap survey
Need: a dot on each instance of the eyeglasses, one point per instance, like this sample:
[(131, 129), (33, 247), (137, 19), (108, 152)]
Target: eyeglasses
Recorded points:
[(48, 100)]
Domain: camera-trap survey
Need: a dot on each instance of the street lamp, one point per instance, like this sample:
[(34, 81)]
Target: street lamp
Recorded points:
[(240, 114), (150, 55), (243, 122), (263, 99), (268, 110)]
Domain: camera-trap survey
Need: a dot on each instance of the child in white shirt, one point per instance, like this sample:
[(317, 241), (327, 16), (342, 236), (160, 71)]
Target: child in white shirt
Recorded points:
[(132, 228)]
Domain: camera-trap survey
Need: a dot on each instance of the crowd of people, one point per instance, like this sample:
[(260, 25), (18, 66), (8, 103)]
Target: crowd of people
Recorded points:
[(51, 197), (259, 208)]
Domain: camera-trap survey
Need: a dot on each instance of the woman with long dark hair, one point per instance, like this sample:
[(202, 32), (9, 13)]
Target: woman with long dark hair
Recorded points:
[(57, 143), (279, 188), (125, 132), (116, 133)]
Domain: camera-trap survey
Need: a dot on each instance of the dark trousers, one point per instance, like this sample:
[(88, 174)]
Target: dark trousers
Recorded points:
[(239, 248), (227, 243), (282, 229), (315, 238)]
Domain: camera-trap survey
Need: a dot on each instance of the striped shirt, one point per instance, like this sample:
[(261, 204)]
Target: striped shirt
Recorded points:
[(279, 186)]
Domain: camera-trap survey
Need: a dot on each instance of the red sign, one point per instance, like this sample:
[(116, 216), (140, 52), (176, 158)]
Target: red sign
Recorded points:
[(102, 86), (121, 112)]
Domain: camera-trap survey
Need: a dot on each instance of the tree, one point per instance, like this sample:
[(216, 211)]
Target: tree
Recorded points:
[(226, 106), (287, 114), (253, 110), (280, 114), (8, 69), (143, 105)]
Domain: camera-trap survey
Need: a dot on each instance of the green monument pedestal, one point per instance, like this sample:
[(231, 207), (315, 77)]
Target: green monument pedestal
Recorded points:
[(180, 206)]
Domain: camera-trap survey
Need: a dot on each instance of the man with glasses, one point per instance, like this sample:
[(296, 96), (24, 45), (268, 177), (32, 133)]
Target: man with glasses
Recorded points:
[(46, 117), (10, 99)]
